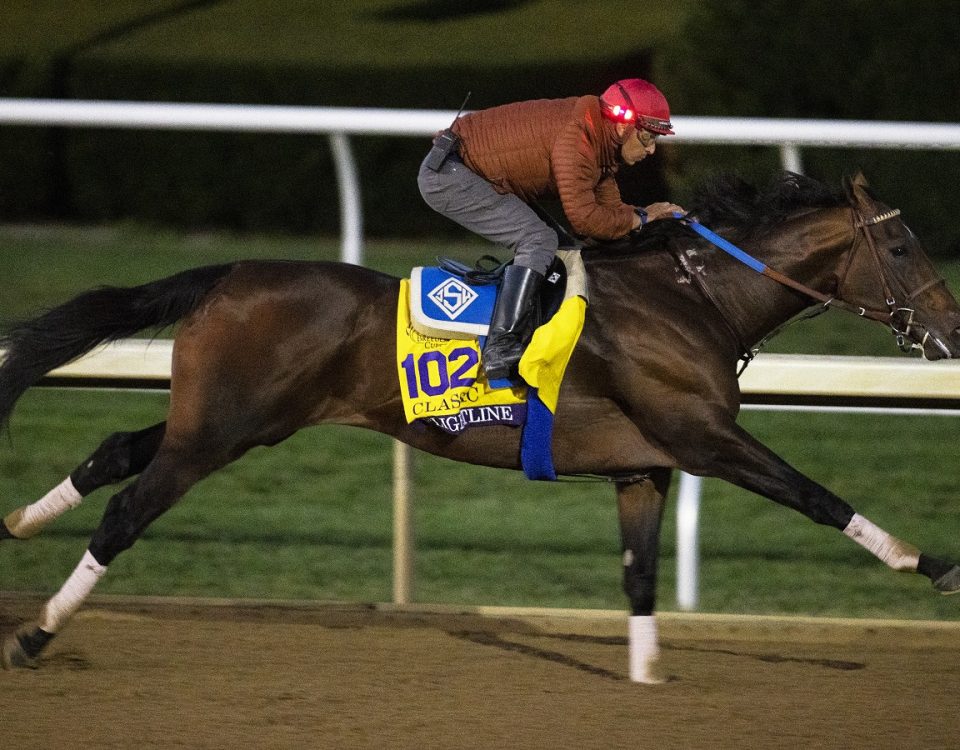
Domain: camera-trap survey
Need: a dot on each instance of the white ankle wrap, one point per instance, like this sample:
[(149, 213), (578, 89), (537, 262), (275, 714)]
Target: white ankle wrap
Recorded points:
[(68, 599), (898, 554), (644, 650), (24, 522)]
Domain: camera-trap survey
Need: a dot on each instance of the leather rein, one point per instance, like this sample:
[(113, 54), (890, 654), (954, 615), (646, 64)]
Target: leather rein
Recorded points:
[(898, 316)]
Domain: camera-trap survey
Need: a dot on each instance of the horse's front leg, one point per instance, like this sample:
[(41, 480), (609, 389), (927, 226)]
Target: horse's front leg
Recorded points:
[(640, 507), (119, 457), (732, 454)]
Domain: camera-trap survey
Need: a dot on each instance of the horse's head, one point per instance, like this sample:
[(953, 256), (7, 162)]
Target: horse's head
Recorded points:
[(889, 274)]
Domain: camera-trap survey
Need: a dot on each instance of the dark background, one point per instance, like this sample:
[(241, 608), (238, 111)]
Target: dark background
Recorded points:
[(808, 59)]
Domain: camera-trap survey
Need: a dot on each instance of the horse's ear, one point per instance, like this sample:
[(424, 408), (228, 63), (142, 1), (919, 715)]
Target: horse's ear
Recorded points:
[(858, 190)]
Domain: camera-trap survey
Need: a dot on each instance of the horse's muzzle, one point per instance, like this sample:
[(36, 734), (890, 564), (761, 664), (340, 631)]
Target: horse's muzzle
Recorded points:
[(954, 343), (913, 335), (935, 346)]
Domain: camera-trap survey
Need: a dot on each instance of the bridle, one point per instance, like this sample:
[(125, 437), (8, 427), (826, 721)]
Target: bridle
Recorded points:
[(899, 317)]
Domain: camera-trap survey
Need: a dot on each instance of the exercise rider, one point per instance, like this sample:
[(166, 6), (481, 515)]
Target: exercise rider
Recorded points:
[(489, 164)]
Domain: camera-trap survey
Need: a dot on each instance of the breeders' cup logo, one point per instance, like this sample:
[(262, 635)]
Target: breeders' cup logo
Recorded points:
[(453, 297)]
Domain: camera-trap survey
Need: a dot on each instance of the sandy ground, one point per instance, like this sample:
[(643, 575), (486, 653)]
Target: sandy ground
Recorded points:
[(152, 673)]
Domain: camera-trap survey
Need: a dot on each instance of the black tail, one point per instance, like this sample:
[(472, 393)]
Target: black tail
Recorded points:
[(35, 347)]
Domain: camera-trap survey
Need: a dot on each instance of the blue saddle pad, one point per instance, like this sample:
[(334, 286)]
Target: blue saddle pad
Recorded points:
[(443, 305)]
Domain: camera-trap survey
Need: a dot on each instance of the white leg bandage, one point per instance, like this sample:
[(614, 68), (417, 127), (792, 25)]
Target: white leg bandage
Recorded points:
[(897, 554), (24, 522), (68, 599), (644, 649)]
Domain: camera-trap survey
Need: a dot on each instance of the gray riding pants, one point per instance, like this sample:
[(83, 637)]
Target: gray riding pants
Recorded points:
[(462, 195)]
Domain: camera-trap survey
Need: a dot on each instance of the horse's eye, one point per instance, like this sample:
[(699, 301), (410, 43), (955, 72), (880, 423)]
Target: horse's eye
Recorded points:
[(899, 252)]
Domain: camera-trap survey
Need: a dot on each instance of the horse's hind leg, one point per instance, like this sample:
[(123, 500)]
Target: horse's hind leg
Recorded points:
[(119, 457), (164, 481), (640, 506)]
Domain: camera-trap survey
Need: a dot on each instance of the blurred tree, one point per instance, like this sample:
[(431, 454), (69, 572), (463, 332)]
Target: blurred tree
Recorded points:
[(858, 59)]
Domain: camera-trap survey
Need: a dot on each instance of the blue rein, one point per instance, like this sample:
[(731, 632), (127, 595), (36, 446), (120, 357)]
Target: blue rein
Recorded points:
[(725, 245), (771, 273), (827, 300)]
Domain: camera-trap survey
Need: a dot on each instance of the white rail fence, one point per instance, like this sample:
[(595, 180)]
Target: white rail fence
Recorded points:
[(887, 383), (338, 123)]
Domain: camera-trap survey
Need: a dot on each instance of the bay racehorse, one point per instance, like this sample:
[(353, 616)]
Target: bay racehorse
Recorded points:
[(266, 348)]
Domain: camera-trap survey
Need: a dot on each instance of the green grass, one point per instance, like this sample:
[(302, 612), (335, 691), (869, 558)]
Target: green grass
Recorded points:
[(292, 32), (311, 518)]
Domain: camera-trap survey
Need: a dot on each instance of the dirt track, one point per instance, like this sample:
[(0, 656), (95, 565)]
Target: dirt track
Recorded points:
[(155, 674)]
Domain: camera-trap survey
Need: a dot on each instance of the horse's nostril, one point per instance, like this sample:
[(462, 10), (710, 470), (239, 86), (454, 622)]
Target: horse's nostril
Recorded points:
[(955, 337)]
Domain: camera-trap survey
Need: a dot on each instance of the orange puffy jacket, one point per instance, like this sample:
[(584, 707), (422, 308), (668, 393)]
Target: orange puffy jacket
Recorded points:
[(557, 147)]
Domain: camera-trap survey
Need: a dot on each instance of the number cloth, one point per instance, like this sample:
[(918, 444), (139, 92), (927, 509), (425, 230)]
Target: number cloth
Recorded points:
[(440, 381)]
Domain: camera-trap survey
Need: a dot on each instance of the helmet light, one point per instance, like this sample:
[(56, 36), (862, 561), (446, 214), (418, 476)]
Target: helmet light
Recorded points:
[(634, 101)]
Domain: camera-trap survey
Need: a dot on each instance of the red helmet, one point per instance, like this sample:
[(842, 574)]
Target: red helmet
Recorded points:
[(634, 101)]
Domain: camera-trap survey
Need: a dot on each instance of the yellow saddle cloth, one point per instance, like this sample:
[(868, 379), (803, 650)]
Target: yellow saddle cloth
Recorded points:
[(440, 378)]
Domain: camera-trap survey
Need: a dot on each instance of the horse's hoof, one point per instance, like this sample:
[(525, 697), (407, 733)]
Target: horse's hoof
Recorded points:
[(949, 582), (15, 655)]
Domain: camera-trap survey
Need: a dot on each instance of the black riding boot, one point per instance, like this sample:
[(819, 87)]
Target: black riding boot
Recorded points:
[(512, 323)]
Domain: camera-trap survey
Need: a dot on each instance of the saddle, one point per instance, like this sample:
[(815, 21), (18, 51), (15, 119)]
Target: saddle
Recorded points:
[(454, 301)]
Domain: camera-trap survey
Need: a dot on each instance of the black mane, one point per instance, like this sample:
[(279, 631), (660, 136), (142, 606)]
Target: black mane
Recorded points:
[(729, 204), (727, 200)]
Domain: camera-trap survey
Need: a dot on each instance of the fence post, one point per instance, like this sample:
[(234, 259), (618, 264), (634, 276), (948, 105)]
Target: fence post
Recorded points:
[(688, 549), (403, 533), (351, 206), (790, 158)]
